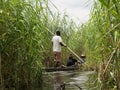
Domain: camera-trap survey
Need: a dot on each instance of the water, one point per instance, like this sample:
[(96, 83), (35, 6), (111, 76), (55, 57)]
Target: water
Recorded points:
[(72, 80)]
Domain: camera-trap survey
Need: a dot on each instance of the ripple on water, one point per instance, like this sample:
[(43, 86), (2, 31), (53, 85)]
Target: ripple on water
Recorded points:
[(74, 79)]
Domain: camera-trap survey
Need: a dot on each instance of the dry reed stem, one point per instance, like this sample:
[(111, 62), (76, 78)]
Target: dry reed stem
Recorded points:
[(112, 54)]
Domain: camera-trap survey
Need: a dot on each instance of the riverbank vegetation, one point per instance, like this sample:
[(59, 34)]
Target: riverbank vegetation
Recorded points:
[(26, 29), (101, 43)]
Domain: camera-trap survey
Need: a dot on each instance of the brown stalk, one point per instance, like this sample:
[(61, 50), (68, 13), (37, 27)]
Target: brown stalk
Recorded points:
[(111, 56)]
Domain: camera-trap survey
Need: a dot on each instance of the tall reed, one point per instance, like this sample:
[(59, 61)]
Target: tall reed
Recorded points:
[(22, 35), (100, 37), (25, 40)]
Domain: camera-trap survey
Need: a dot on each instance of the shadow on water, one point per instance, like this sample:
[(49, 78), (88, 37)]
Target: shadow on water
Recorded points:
[(65, 80)]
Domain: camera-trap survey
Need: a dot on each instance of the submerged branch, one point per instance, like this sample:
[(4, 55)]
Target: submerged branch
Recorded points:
[(74, 85)]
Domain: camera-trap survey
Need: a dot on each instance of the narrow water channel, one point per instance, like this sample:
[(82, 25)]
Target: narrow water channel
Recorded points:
[(72, 80)]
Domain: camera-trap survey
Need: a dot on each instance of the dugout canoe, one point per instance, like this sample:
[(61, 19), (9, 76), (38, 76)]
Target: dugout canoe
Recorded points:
[(51, 69)]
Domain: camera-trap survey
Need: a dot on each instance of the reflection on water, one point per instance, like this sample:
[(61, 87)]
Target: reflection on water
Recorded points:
[(58, 82), (65, 80)]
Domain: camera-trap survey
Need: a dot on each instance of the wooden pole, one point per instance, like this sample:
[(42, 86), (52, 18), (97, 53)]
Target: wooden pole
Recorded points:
[(74, 54)]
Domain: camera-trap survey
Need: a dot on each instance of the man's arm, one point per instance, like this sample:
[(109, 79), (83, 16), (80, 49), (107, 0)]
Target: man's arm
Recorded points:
[(62, 44)]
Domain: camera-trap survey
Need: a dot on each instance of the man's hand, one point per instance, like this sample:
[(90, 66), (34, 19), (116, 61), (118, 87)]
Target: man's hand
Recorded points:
[(79, 62), (65, 45), (62, 44)]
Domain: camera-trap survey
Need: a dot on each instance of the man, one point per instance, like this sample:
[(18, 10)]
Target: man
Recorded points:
[(57, 43), (71, 61), (83, 58)]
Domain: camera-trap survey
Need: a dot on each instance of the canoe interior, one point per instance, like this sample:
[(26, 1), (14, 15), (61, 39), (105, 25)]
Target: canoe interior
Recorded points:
[(50, 69)]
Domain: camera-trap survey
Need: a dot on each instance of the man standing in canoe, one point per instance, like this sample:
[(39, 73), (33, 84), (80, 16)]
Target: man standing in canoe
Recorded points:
[(57, 43)]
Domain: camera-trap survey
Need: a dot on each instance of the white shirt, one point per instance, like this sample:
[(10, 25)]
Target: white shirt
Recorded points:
[(56, 43)]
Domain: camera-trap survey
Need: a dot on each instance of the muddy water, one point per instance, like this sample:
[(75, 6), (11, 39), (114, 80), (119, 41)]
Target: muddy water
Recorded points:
[(70, 80)]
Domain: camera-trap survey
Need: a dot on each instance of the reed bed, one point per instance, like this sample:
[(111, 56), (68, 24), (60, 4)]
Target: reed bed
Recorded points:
[(100, 38), (22, 30), (26, 29)]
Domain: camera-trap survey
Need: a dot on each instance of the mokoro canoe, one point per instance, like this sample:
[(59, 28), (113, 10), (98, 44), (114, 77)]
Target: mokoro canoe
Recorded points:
[(50, 69)]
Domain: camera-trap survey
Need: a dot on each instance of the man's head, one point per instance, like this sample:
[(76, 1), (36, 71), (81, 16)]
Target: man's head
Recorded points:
[(71, 56), (58, 33), (83, 56)]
